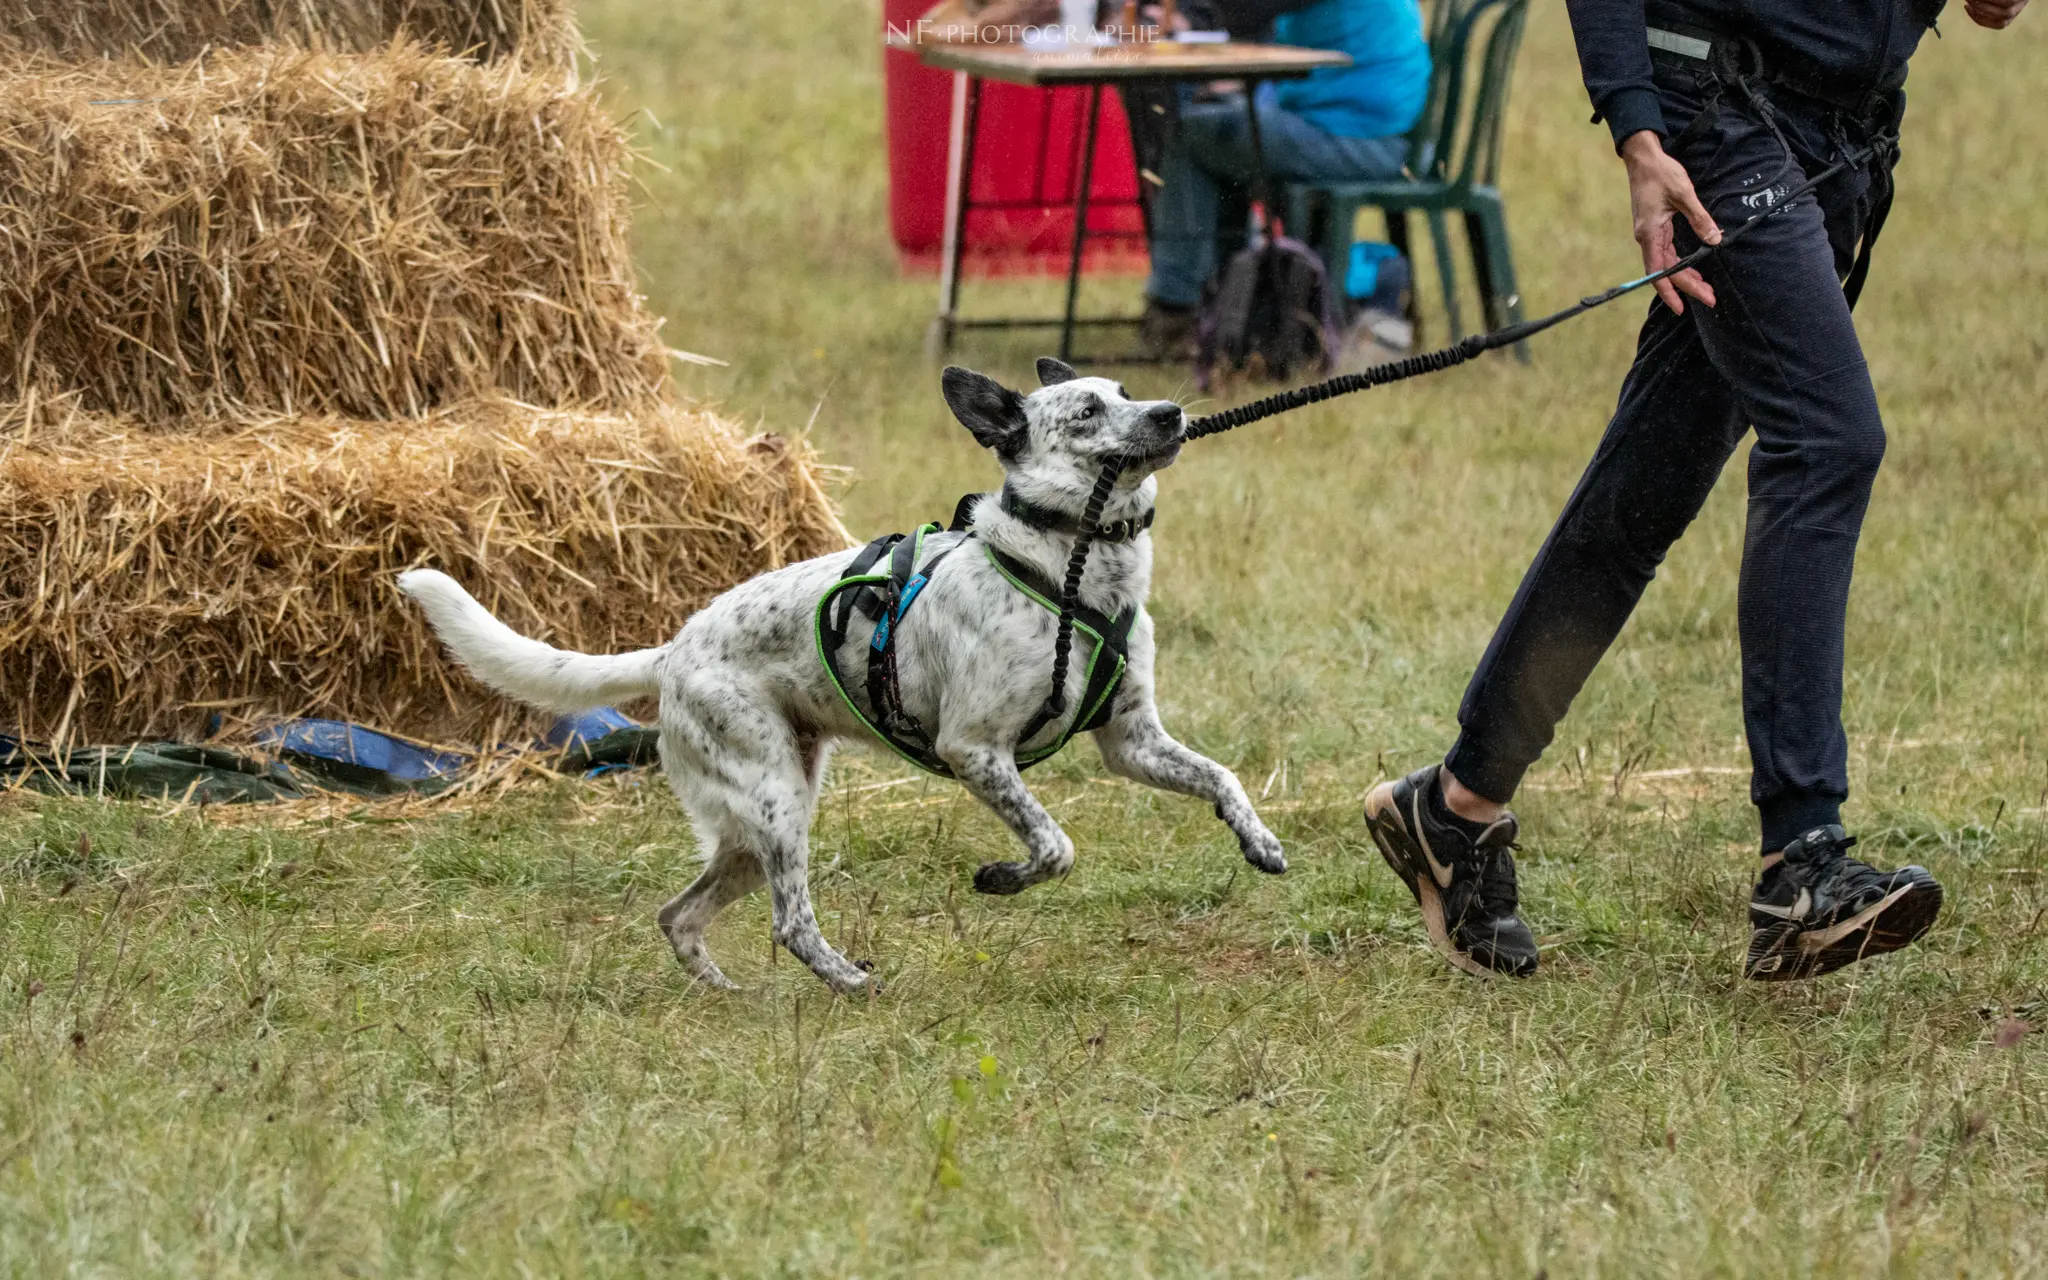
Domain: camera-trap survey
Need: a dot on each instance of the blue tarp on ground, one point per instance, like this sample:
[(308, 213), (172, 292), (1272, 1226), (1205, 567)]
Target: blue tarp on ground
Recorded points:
[(310, 756)]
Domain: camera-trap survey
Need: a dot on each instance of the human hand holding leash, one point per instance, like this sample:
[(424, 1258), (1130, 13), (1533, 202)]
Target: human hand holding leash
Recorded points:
[(1658, 187), (1997, 15)]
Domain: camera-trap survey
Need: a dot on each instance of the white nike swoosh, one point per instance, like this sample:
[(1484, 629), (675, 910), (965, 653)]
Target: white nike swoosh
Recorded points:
[(1797, 911), (1437, 869)]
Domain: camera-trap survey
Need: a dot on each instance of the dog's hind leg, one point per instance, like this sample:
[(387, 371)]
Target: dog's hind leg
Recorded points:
[(756, 852), (732, 873), (784, 831), (749, 778), (1137, 746), (796, 924), (991, 775)]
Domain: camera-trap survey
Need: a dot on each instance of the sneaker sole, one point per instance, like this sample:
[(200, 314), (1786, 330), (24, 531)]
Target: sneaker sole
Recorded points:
[(1390, 832), (1785, 953)]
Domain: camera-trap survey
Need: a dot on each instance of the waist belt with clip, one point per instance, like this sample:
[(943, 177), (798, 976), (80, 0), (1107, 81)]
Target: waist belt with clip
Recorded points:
[(1725, 52)]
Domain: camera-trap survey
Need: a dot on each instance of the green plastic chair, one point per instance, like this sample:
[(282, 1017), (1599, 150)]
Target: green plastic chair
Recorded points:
[(1453, 166)]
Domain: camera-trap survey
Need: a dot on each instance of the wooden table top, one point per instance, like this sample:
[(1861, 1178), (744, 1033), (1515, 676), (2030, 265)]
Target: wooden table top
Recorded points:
[(1152, 60)]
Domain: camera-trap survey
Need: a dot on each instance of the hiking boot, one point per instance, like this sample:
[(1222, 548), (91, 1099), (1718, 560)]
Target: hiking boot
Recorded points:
[(1167, 332), (1818, 909), (1465, 884)]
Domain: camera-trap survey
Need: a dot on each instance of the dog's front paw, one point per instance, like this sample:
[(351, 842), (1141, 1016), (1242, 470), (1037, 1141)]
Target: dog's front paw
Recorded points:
[(1262, 849), (1001, 877)]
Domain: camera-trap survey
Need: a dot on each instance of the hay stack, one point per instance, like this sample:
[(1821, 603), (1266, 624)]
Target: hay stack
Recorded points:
[(283, 320), (280, 231), (149, 579), (539, 31)]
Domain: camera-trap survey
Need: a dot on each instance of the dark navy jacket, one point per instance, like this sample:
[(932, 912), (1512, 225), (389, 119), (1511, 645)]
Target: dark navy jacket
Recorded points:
[(1853, 47)]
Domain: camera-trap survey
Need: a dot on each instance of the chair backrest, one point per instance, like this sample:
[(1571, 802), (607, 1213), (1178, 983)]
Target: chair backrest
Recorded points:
[(1480, 163), (1458, 135), (1446, 18)]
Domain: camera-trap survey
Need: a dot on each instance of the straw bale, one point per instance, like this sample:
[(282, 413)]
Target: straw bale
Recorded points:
[(279, 231), (539, 31), (148, 578)]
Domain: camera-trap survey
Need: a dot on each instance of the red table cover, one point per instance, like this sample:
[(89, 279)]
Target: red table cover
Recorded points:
[(1027, 158)]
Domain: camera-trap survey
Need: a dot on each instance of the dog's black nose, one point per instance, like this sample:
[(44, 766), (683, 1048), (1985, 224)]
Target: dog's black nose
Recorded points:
[(1167, 418)]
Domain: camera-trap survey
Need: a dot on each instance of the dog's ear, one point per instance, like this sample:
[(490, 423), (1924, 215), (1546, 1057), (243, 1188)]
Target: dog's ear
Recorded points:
[(1052, 372), (993, 412)]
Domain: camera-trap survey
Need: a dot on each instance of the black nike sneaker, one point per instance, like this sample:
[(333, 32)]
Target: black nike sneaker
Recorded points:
[(1819, 909), (1464, 885)]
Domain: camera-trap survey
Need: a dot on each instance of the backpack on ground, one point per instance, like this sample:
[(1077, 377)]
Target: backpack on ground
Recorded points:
[(1273, 316)]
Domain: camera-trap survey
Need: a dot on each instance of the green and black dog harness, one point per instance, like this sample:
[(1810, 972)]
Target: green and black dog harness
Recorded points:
[(885, 578)]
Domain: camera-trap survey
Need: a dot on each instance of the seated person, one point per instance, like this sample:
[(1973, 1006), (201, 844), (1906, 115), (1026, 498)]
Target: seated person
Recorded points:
[(1343, 124)]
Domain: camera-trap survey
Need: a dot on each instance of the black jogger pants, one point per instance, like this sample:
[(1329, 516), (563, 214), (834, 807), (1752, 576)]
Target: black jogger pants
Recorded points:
[(1779, 354)]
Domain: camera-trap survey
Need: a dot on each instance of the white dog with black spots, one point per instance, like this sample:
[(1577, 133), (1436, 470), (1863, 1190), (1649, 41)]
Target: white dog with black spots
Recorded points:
[(749, 714)]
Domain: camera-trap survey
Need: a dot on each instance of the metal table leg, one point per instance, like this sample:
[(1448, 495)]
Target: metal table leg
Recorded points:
[(1262, 195), (959, 196), (1080, 220)]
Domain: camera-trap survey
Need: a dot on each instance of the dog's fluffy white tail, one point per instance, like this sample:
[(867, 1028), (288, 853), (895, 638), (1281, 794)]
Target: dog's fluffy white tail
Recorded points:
[(547, 677)]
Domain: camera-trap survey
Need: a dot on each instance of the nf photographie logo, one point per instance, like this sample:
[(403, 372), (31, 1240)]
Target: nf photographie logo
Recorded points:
[(926, 31)]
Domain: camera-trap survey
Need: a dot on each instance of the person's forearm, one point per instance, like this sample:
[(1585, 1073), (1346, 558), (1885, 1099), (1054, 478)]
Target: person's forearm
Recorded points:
[(1614, 59)]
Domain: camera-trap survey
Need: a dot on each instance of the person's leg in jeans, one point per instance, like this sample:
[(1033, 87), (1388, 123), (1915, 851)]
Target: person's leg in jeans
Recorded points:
[(1664, 449), (1210, 153), (1780, 352), (1675, 428)]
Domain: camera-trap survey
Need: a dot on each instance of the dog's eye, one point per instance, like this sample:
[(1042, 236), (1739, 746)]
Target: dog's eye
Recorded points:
[(1089, 410)]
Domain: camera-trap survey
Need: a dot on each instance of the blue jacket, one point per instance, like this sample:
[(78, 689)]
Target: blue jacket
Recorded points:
[(1381, 93)]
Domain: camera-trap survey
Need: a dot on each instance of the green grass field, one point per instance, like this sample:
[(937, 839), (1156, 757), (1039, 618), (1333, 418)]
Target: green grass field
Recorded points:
[(422, 1042)]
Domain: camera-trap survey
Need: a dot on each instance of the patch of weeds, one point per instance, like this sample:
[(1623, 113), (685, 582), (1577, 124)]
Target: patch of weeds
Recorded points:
[(479, 863), (1918, 834)]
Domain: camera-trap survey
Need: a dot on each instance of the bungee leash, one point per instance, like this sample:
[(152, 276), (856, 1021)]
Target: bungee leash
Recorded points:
[(1379, 375), (1070, 596), (1479, 344)]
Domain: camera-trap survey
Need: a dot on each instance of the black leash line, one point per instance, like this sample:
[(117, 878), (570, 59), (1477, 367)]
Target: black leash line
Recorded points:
[(1070, 595), (1379, 375), (1480, 343)]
